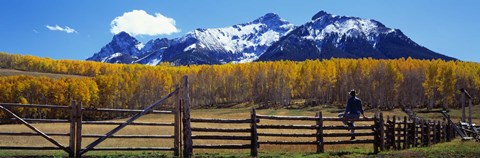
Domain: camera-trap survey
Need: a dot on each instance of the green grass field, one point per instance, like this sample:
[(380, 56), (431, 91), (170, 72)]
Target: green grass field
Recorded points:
[(456, 147)]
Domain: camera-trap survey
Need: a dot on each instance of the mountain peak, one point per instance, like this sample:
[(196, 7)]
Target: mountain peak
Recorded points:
[(122, 36), (320, 14), (268, 17)]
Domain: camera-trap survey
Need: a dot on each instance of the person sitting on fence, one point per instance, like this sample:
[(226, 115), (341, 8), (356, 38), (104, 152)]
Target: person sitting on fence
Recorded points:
[(352, 111)]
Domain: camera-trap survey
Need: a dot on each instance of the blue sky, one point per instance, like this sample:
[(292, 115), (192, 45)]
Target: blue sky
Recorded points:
[(445, 26)]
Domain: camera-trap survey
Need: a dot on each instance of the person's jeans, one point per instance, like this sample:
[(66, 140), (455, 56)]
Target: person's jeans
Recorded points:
[(350, 124)]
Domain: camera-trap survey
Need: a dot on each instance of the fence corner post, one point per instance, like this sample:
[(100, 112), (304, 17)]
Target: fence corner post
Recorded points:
[(319, 135), (72, 133), (187, 130), (177, 131), (254, 134)]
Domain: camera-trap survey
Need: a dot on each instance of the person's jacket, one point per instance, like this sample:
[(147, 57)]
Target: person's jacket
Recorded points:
[(354, 106)]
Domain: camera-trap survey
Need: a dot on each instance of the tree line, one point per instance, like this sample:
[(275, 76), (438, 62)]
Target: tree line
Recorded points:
[(384, 84)]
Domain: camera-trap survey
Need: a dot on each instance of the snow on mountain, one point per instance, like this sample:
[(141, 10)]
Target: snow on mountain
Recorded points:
[(140, 46), (237, 43), (122, 49), (327, 36), (237, 38), (153, 51), (326, 24)]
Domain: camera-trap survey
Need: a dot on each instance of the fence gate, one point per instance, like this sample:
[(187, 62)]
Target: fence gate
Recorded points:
[(111, 134)]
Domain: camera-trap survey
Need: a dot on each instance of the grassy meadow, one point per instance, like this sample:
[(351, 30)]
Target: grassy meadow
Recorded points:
[(231, 113)]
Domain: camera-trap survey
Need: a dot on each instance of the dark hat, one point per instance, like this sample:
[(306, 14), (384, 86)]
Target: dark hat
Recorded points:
[(353, 92)]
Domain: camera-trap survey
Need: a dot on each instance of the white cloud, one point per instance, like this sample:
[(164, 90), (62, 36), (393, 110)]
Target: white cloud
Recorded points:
[(139, 22), (58, 28)]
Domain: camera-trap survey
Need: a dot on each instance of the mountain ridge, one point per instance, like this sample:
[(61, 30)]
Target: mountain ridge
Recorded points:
[(270, 38), (332, 36)]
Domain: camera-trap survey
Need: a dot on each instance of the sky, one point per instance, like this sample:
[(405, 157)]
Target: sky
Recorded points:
[(60, 29)]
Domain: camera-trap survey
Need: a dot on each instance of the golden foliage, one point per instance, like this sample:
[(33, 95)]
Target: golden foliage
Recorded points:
[(382, 83)]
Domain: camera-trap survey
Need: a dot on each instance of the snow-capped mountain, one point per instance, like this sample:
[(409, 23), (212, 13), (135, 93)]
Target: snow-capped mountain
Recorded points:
[(270, 38), (122, 49), (327, 36), (153, 51), (237, 43)]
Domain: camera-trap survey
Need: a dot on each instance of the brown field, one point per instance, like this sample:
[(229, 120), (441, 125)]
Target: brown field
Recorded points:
[(238, 113), (12, 72)]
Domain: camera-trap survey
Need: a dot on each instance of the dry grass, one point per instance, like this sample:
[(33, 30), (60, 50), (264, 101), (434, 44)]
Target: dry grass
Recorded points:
[(12, 72), (238, 113)]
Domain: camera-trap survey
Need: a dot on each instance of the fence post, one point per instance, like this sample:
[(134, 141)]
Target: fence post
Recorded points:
[(428, 139), (426, 132), (376, 137), (389, 133), (439, 130), (399, 132), (435, 132), (415, 130), (470, 111), (463, 100), (254, 135), (187, 131), (176, 141), (444, 132), (382, 132), (78, 132), (436, 129), (421, 132), (72, 133), (394, 143), (450, 134), (405, 132), (320, 144)]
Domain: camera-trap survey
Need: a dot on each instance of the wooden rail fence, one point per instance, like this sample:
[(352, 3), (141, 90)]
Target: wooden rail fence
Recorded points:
[(74, 147), (407, 132), (318, 127), (394, 133)]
